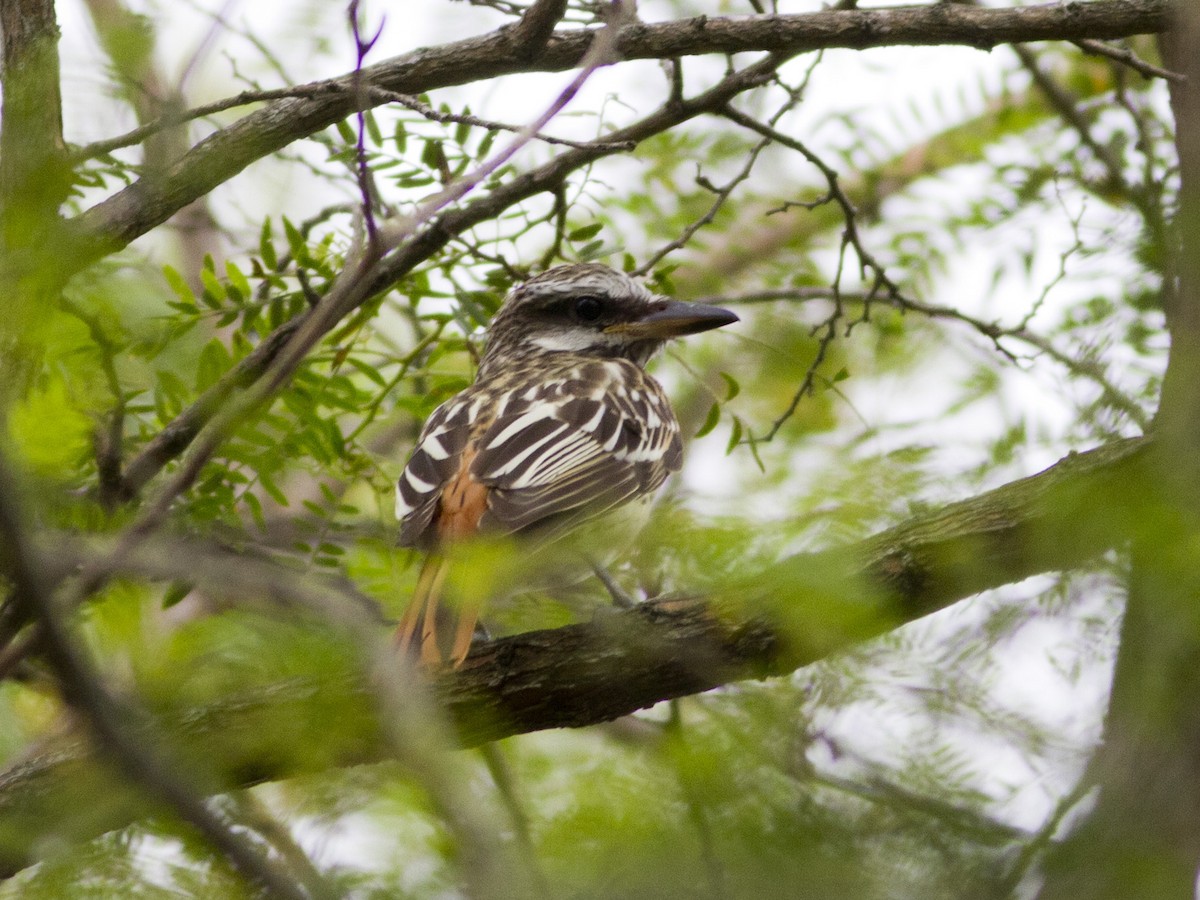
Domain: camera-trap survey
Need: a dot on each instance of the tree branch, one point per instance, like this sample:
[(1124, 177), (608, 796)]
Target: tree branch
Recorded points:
[(130, 746), (148, 202), (594, 672), (1147, 768), (178, 435), (33, 176)]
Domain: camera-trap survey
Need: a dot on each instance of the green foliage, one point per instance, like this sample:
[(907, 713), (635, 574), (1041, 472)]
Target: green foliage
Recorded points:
[(741, 793)]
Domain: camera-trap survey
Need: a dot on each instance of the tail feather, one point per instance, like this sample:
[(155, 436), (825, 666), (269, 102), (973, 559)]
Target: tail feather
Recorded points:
[(417, 632)]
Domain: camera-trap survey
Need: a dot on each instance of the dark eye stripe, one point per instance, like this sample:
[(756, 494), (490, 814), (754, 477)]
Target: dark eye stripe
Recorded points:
[(588, 309)]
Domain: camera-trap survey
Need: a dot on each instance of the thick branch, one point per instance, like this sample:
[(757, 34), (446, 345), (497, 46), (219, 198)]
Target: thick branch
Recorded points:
[(594, 672), (32, 177), (1142, 830), (148, 202)]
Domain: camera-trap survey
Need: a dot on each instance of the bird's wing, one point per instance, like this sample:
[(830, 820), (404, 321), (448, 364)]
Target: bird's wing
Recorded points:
[(569, 449), (433, 463), (558, 450)]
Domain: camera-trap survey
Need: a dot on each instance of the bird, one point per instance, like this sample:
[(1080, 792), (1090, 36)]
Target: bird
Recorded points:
[(561, 424)]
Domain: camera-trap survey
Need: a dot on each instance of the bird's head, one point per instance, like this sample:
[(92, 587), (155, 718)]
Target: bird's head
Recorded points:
[(588, 309)]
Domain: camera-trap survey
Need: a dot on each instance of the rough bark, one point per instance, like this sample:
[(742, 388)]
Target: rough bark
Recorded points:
[(595, 672), (33, 175), (32, 133)]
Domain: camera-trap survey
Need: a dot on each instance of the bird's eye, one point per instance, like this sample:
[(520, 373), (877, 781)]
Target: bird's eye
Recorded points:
[(588, 309)]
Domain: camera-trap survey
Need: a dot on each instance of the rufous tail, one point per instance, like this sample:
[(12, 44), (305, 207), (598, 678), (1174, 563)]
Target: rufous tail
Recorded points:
[(417, 632)]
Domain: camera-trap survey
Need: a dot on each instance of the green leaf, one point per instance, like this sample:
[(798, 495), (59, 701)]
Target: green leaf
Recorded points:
[(266, 249), (179, 285), (237, 282), (710, 421), (370, 371), (591, 250), (433, 156), (214, 362), (587, 231), (372, 127), (213, 289), (733, 388), (176, 591), (295, 241), (735, 436), (272, 488), (256, 510)]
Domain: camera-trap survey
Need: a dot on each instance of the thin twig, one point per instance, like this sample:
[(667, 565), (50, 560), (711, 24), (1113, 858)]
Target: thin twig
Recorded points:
[(362, 170), (825, 331), (1129, 58), (697, 814), (135, 136), (1031, 850), (722, 195), (121, 729), (109, 439), (993, 331), (1067, 107), (436, 115), (1111, 394), (505, 781), (253, 813), (182, 432)]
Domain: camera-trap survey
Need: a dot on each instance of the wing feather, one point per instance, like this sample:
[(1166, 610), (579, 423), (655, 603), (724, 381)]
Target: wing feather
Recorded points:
[(432, 464), (559, 450), (577, 456)]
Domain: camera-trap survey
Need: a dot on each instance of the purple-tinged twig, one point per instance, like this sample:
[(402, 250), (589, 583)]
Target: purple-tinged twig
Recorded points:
[(362, 48)]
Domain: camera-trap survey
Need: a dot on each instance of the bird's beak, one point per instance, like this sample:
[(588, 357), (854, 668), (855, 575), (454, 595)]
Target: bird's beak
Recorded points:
[(674, 319)]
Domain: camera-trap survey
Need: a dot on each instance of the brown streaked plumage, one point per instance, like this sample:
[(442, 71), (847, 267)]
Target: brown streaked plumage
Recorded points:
[(561, 424)]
